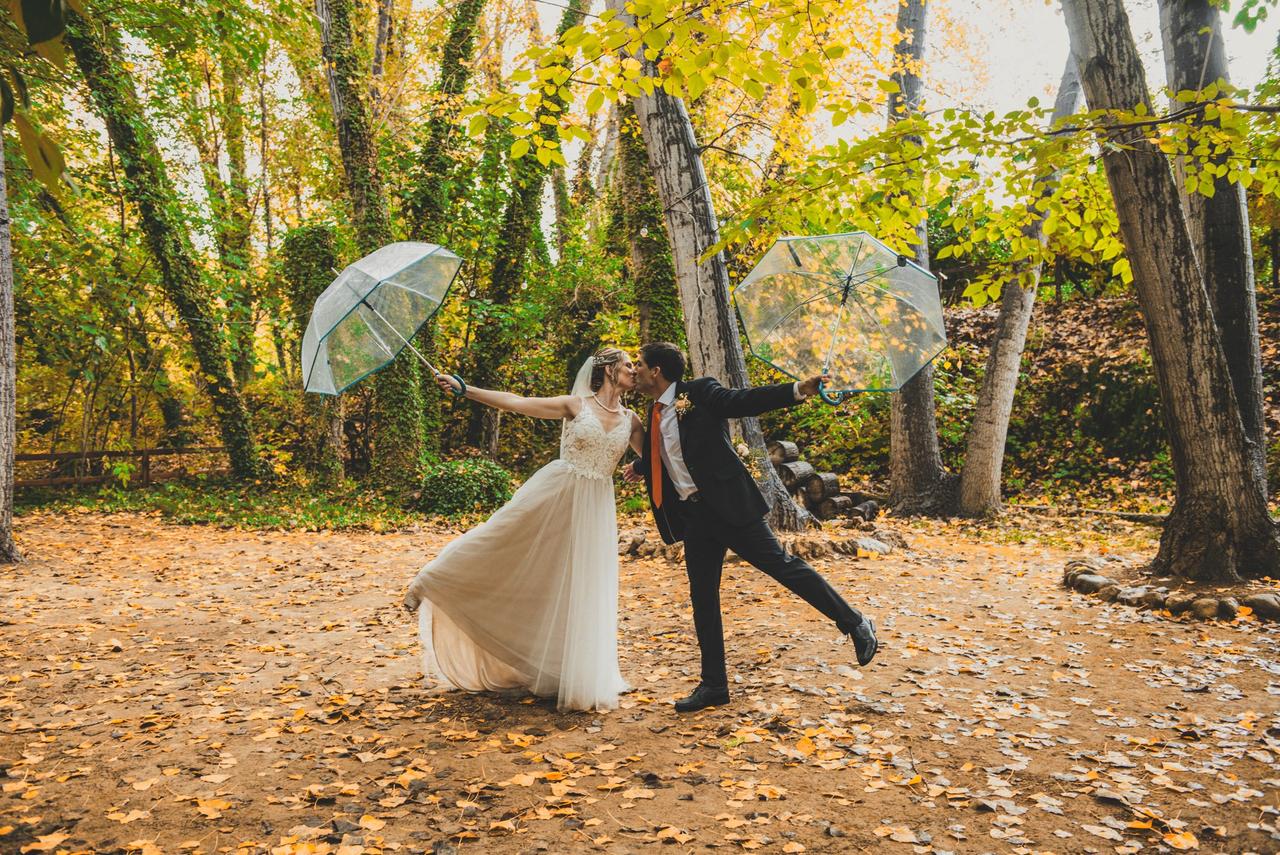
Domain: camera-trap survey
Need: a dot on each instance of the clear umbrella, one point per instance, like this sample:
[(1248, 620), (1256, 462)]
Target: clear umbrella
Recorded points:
[(843, 305), (372, 311)]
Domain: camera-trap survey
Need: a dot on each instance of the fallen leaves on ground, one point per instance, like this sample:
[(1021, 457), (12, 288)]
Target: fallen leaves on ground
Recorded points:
[(182, 687)]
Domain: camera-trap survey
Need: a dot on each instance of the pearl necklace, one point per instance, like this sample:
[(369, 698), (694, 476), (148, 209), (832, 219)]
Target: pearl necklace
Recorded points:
[(617, 409)]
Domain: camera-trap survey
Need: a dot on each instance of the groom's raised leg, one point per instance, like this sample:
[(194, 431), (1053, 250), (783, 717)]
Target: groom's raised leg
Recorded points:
[(756, 544), (704, 562)]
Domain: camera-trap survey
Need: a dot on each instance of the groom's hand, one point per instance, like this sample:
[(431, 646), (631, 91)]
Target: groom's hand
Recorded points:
[(809, 388), (630, 474)]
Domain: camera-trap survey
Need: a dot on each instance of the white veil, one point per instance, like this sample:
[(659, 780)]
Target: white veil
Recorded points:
[(582, 383)]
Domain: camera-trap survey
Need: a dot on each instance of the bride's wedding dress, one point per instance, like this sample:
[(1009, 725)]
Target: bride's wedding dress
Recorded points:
[(529, 599)]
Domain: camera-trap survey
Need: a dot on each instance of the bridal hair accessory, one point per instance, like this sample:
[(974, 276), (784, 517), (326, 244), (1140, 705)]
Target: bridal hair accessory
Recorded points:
[(599, 363)]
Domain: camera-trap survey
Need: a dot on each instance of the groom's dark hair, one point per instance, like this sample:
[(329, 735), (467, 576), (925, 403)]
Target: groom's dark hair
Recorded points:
[(664, 355)]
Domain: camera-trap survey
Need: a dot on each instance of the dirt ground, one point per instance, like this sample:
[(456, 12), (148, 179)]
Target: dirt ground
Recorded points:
[(194, 689)]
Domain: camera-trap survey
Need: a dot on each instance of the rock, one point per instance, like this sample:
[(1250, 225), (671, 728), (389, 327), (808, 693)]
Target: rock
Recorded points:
[(1091, 583), (1205, 608), (1109, 593), (630, 544), (1077, 567), (1131, 597), (1265, 606), (1179, 601), (1228, 608), (875, 547), (891, 537), (1154, 599)]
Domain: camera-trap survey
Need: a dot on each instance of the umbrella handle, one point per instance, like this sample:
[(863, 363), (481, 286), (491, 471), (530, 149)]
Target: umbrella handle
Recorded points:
[(832, 399)]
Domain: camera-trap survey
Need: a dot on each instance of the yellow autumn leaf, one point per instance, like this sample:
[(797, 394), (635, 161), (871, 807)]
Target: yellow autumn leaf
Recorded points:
[(372, 823), (1181, 840), (212, 808), (45, 843), (639, 793)]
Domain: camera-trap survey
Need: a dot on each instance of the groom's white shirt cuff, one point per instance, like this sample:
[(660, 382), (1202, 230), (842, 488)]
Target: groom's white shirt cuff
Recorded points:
[(795, 390)]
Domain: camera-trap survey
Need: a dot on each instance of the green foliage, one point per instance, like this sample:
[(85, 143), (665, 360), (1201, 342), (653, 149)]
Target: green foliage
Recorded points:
[(469, 486), (290, 505)]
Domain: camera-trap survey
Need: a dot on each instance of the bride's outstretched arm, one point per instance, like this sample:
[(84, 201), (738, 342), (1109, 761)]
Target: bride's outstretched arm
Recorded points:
[(559, 407)]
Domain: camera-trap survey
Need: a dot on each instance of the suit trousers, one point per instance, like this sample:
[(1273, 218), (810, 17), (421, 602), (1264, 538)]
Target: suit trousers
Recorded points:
[(706, 540)]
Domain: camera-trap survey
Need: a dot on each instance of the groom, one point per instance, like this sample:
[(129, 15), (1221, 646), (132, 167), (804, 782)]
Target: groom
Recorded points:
[(701, 493)]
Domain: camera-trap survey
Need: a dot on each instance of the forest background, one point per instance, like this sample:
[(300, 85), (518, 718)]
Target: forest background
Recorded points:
[(183, 180)]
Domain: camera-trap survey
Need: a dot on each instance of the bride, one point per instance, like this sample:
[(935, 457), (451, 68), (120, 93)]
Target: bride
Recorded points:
[(528, 600)]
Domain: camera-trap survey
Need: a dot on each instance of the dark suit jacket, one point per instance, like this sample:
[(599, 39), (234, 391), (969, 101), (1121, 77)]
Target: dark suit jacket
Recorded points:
[(720, 476)]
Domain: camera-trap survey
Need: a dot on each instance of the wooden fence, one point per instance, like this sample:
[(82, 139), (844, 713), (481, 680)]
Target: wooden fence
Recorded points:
[(143, 476)]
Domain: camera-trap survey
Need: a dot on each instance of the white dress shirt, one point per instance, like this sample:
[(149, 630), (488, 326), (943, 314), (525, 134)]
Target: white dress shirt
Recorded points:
[(672, 454)]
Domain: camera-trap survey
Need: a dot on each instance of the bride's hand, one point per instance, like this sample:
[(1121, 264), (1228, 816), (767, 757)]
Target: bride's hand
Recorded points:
[(447, 383), (630, 474)]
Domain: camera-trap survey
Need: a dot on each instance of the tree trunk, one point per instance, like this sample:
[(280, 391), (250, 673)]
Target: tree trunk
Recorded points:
[(521, 222), (397, 415), (238, 225), (984, 455), (8, 378), (692, 227), (309, 255), (648, 258), (563, 208), (1194, 58), (918, 483), (1218, 529), (431, 199), (381, 47), (147, 184)]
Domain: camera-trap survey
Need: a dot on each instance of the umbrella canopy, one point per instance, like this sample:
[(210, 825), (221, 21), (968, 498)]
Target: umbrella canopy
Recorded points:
[(844, 305), (371, 312)]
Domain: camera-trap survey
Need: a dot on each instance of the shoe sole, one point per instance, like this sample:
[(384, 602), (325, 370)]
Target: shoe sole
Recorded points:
[(703, 707)]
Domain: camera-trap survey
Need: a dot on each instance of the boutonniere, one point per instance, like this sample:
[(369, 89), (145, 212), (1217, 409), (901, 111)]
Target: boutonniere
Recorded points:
[(682, 405)]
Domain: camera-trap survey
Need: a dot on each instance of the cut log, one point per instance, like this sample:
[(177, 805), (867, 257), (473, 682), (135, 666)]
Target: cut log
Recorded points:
[(833, 507), (868, 510), (824, 485), (795, 474), (781, 451)]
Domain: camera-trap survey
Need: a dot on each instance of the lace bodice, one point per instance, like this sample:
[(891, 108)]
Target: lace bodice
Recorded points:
[(590, 450)]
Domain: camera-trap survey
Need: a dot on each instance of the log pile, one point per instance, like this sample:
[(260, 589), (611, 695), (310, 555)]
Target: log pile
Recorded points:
[(819, 491)]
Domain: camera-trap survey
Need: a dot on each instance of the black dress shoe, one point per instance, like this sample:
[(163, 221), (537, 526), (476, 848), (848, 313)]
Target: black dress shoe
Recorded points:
[(703, 697), (864, 640)]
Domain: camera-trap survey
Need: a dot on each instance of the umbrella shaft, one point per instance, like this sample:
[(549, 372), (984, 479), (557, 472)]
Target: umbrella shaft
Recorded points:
[(408, 343)]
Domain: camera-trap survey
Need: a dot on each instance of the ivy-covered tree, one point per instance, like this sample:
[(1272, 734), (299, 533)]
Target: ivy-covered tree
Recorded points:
[(516, 239), (648, 254), (397, 416), (97, 51), (309, 255)]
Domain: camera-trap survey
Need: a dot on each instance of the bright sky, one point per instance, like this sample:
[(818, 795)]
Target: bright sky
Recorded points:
[(1026, 48), (1023, 46)]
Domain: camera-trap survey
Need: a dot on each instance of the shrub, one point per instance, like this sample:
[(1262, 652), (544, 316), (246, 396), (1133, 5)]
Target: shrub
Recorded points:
[(473, 485)]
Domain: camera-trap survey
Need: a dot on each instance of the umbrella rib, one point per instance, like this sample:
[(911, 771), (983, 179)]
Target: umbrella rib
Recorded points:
[(406, 341), (857, 299), (889, 293)]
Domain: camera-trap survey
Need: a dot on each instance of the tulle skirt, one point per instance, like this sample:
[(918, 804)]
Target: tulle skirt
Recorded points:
[(528, 600)]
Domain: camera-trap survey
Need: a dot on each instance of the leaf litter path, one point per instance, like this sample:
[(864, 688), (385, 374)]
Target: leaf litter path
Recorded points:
[(194, 689)]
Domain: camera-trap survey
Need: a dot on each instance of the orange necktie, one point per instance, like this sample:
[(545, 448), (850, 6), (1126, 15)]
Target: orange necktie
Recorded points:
[(655, 454)]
